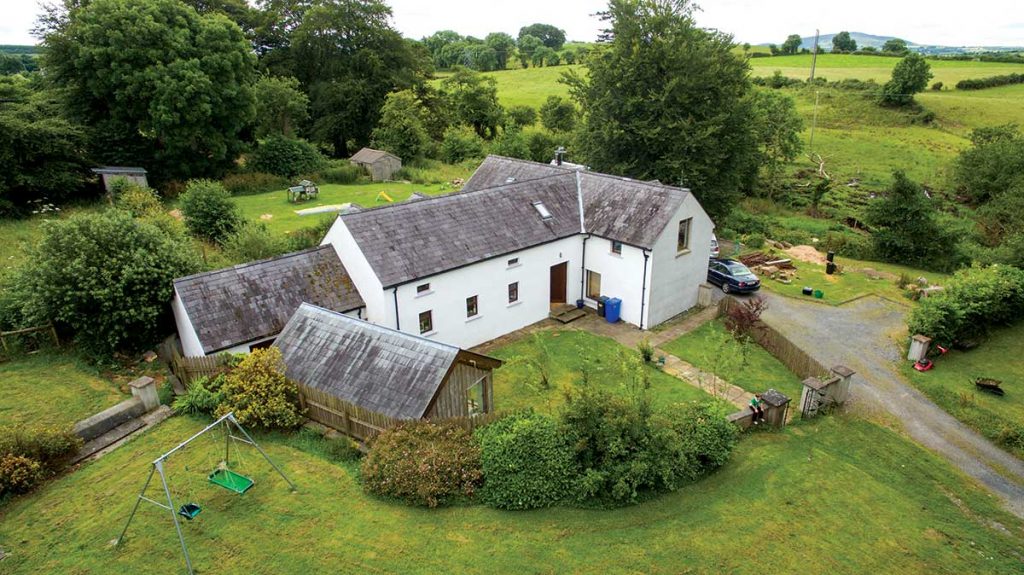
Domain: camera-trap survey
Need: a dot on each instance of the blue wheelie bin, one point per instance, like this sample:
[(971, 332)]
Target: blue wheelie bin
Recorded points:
[(613, 309)]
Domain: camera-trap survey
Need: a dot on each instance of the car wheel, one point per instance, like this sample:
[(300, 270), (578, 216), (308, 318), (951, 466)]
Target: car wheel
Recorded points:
[(725, 287)]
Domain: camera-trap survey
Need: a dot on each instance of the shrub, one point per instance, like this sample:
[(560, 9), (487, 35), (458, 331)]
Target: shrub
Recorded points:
[(341, 172), (423, 464), (937, 86), (646, 350), (521, 116), (755, 240), (253, 241), (106, 276), (139, 201), (851, 245), (990, 82), (706, 437), (310, 237), (18, 474), (512, 144), (974, 300), (247, 183), (542, 144), (208, 210), (50, 447), (259, 394), (558, 115), (203, 396), (460, 143), (286, 157), (526, 462)]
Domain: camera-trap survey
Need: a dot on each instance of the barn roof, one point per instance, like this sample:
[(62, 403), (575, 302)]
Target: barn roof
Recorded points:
[(369, 156), (119, 170), (380, 369), (496, 213), (252, 301)]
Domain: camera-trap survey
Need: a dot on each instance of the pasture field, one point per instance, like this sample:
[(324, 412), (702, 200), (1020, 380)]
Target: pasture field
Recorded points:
[(877, 68), (784, 503)]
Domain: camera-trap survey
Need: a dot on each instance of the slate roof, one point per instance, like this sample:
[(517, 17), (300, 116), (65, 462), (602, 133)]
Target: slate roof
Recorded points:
[(369, 156), (119, 170), (493, 215), (252, 301), (377, 368)]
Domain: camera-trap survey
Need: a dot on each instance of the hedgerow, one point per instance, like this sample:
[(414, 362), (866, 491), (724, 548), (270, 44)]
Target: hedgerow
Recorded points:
[(972, 302)]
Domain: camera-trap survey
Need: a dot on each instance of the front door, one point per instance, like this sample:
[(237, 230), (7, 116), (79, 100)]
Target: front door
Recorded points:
[(559, 274)]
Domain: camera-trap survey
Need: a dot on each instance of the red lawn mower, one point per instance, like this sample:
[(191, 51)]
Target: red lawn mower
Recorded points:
[(925, 364)]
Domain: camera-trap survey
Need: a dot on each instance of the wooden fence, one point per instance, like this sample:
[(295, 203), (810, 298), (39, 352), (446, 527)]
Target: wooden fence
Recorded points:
[(189, 369), (28, 340), (363, 424), (795, 359)]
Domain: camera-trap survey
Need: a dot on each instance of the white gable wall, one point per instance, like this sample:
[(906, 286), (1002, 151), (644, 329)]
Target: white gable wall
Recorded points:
[(190, 345), (622, 276), (379, 306), (488, 280), (675, 277)]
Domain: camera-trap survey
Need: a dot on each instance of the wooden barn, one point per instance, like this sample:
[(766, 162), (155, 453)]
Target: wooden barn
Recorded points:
[(112, 173), (382, 166), (360, 377)]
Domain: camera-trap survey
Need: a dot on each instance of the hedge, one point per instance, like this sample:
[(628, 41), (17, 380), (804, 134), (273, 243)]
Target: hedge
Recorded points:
[(990, 82), (974, 300)]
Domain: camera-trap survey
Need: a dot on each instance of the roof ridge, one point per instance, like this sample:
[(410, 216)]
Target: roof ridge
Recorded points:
[(241, 266), (636, 181), (457, 193), (377, 327)]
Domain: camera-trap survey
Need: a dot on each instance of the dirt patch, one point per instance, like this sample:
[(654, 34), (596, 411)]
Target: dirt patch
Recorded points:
[(176, 214), (877, 275), (807, 254), (266, 217)]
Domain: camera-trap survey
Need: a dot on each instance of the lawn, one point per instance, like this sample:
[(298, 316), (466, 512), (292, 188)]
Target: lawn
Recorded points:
[(759, 371), (563, 352), (877, 68), (51, 388), (949, 384), (836, 496), (283, 219)]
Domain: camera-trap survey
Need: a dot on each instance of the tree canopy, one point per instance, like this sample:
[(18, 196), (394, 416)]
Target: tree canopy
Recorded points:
[(895, 45), (905, 228), (842, 42), (994, 163), (551, 36), (474, 101), (792, 44), (909, 77), (401, 130), (280, 106), (157, 84), (665, 99)]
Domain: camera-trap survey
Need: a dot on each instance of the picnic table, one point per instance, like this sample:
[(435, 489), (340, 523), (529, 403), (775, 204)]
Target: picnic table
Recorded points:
[(306, 190)]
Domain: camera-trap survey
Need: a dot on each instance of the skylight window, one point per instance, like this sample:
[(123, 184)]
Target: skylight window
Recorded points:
[(542, 210)]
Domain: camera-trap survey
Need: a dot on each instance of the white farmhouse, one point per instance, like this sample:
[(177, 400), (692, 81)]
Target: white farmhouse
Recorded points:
[(522, 237)]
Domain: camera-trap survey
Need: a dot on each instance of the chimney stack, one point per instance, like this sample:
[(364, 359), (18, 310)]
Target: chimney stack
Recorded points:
[(559, 154)]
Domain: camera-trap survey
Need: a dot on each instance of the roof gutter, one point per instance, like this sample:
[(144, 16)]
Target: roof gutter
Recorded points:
[(643, 289)]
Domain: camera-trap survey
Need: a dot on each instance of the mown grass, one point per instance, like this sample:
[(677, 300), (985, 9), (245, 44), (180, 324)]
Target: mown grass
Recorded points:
[(836, 496), (563, 353), (529, 86), (52, 389), (877, 68), (950, 384), (750, 366)]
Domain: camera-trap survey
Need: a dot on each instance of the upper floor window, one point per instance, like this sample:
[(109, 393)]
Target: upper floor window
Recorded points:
[(426, 321), (513, 292), (683, 241), (471, 307), (422, 289), (513, 262), (616, 247)]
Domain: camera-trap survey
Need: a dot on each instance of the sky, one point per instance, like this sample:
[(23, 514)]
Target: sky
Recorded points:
[(940, 22)]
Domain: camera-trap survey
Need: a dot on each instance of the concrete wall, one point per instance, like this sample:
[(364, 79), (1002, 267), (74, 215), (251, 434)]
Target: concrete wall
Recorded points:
[(622, 276), (488, 280), (190, 345), (675, 277)]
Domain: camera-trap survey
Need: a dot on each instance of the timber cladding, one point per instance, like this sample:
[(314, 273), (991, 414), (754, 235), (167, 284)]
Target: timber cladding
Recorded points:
[(363, 424), (788, 353)]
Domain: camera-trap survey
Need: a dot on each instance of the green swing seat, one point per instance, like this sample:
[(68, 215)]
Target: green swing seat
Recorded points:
[(231, 481)]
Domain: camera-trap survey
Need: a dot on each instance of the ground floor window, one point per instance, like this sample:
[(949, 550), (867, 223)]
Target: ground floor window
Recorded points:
[(471, 309), (513, 292), (426, 321), (593, 285)]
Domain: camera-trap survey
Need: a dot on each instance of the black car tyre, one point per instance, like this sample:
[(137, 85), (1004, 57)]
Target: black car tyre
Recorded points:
[(725, 287)]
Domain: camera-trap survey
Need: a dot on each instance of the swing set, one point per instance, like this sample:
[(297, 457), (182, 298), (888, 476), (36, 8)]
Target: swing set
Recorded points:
[(221, 476)]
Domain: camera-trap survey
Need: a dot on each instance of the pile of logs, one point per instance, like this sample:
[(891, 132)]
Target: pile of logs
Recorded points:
[(766, 265)]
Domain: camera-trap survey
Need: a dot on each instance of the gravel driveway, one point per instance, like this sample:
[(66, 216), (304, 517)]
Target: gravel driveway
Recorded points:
[(862, 335)]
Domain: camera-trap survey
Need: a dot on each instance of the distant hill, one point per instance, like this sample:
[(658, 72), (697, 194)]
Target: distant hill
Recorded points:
[(864, 40)]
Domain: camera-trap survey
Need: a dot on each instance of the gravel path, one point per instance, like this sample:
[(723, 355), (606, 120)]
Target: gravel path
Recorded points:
[(861, 335)]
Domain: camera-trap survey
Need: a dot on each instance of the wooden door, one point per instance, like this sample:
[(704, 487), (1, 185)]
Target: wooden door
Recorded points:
[(559, 274)]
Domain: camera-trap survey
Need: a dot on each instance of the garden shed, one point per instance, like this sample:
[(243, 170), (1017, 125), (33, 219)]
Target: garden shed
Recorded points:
[(349, 369), (382, 166), (111, 173)]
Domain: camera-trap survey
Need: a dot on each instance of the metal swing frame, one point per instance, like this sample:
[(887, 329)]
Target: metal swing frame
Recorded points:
[(227, 422)]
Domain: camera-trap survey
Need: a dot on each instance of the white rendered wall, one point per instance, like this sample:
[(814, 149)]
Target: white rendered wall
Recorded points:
[(488, 280), (675, 277), (379, 305), (622, 276), (190, 345)]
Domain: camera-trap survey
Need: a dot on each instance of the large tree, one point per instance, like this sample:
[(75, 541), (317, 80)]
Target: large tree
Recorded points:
[(792, 44), (42, 153), (280, 106), (842, 42), (349, 58), (777, 127), (909, 77), (895, 46), (474, 101), (552, 36), (401, 129), (503, 46), (993, 164), (665, 99), (905, 229), (158, 84)]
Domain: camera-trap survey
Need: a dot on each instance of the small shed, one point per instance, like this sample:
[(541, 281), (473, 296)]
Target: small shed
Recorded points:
[(111, 173), (381, 165), (340, 361)]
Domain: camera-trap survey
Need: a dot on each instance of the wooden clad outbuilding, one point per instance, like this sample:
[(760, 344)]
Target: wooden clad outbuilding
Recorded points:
[(382, 166), (383, 371)]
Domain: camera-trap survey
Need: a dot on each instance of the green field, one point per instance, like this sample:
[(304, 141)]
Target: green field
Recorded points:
[(950, 385), (877, 68), (756, 372), (52, 389), (562, 355), (529, 86), (836, 496)]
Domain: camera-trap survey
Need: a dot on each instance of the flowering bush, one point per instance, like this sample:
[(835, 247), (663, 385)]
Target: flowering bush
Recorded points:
[(259, 394), (423, 463)]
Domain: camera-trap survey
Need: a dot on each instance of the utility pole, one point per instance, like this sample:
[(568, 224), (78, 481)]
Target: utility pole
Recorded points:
[(814, 123), (814, 54)]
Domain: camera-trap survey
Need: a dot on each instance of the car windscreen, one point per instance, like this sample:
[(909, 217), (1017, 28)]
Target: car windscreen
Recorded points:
[(739, 270)]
